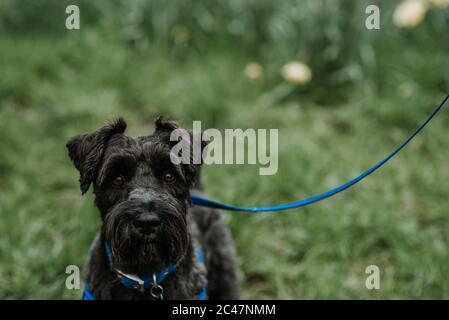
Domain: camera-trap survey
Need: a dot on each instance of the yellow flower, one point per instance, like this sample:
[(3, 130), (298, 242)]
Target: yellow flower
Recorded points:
[(409, 13), (297, 73), (180, 34), (254, 71), (439, 3)]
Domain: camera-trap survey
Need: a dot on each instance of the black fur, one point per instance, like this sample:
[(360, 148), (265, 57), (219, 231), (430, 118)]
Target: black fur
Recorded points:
[(147, 219)]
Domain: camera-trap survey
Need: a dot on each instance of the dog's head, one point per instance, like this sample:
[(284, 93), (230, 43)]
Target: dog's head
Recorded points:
[(141, 194)]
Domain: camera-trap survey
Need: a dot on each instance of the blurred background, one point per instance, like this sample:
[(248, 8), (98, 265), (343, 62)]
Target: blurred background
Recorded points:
[(342, 97)]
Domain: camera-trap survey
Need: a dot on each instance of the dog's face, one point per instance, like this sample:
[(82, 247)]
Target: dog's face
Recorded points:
[(141, 194)]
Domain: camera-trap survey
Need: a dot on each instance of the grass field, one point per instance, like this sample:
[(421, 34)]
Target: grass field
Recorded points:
[(55, 86)]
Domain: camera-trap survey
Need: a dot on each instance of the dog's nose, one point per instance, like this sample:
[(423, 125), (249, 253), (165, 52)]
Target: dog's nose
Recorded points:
[(147, 223)]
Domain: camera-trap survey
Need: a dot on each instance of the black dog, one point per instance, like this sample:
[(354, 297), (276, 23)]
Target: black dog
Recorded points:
[(151, 243)]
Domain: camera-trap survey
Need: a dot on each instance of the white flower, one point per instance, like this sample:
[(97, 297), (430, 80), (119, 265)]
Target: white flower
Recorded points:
[(254, 71), (297, 73), (409, 13)]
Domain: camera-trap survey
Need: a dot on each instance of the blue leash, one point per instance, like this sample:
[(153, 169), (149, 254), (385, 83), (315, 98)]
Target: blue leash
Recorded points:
[(204, 202)]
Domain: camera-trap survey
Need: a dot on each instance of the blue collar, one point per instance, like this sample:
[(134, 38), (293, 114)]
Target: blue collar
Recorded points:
[(133, 281), (152, 282)]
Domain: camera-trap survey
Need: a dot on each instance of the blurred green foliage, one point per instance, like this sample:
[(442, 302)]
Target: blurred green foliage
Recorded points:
[(186, 59), (329, 36)]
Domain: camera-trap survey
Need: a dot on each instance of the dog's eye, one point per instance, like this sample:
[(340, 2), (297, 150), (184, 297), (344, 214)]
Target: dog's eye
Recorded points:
[(118, 181), (168, 177)]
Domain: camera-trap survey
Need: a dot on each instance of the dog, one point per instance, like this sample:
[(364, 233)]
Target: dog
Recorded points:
[(152, 244)]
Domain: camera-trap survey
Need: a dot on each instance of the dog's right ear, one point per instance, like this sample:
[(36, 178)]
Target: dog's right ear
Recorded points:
[(86, 150)]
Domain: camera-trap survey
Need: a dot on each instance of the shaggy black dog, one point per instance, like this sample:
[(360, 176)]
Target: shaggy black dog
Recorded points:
[(152, 244)]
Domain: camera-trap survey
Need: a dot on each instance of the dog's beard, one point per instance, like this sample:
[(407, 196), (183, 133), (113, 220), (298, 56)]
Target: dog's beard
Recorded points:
[(133, 252)]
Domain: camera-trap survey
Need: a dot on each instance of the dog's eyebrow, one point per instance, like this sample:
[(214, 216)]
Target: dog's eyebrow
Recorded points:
[(156, 152), (158, 157), (122, 157), (125, 160), (163, 161)]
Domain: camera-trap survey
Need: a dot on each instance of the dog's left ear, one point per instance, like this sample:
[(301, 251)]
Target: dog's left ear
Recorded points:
[(191, 170), (86, 150)]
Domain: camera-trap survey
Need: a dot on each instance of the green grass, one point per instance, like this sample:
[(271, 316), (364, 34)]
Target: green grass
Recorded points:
[(52, 88)]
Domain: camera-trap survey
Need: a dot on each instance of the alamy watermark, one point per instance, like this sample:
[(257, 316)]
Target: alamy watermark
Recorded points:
[(373, 280), (235, 146), (372, 22), (72, 281), (73, 278), (72, 22), (261, 147)]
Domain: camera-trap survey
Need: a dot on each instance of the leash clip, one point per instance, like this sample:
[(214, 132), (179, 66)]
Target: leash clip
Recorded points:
[(156, 289)]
